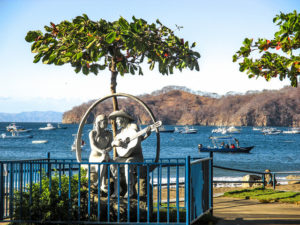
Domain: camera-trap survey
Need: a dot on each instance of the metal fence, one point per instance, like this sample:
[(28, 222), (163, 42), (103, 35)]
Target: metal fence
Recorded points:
[(172, 191)]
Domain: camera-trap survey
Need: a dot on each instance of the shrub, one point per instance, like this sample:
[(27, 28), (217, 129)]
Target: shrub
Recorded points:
[(55, 200)]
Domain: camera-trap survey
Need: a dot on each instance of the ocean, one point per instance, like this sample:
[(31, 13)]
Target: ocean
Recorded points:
[(275, 152)]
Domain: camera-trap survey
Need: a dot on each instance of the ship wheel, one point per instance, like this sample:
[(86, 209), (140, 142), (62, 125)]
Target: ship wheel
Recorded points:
[(83, 121)]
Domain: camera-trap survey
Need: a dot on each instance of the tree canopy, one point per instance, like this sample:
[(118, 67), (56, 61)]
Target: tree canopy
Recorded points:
[(277, 57), (119, 46)]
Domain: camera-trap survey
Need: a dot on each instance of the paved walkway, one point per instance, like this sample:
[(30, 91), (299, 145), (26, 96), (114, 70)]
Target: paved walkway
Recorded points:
[(233, 211)]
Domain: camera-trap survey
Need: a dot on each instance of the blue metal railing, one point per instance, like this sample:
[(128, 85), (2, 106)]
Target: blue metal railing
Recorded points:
[(177, 191)]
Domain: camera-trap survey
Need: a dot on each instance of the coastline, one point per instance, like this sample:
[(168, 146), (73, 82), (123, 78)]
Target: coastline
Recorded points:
[(282, 187)]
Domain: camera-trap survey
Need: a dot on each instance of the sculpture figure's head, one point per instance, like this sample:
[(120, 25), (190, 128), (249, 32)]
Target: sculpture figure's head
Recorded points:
[(101, 121), (122, 118)]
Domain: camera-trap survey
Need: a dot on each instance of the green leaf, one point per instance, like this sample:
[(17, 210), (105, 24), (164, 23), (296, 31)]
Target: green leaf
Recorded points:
[(152, 65), (85, 16), (197, 66), (196, 54), (90, 44), (32, 35), (140, 71), (131, 69), (111, 37), (52, 57), (85, 70), (123, 23), (79, 55)]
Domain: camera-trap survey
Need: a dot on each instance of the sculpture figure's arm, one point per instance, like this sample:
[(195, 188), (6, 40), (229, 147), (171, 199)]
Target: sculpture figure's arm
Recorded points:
[(148, 133), (93, 145)]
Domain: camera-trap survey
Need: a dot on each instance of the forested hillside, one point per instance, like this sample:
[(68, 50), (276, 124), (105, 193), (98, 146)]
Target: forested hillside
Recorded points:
[(180, 107)]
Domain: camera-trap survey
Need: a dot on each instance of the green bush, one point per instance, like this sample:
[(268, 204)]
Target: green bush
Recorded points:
[(55, 202)]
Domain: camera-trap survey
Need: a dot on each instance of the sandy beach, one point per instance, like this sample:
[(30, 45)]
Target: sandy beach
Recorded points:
[(285, 187)]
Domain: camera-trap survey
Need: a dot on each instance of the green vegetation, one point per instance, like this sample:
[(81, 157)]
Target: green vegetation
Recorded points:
[(266, 195), (52, 201), (277, 57)]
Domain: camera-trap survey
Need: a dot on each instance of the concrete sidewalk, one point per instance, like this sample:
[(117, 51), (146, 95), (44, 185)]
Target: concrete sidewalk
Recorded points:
[(233, 211)]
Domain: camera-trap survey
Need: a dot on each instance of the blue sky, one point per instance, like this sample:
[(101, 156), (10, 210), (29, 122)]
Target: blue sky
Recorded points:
[(218, 27)]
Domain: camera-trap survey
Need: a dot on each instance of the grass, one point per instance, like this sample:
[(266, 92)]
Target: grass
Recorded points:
[(266, 195)]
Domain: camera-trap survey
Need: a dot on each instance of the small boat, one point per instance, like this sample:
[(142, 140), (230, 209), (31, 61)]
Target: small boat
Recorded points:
[(14, 127), (73, 147), (270, 131), (15, 135), (48, 127), (233, 130), (294, 130), (221, 130), (256, 128), (163, 129), (39, 141), (225, 144), (188, 130), (60, 127)]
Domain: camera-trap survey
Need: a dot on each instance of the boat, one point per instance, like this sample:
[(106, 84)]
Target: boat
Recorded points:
[(163, 129), (60, 127), (233, 130), (48, 127), (294, 130), (177, 129), (257, 128), (221, 130), (13, 127), (224, 144), (270, 131), (188, 130), (15, 135), (39, 141), (73, 147)]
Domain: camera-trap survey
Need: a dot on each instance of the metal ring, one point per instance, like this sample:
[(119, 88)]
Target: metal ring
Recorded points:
[(84, 118)]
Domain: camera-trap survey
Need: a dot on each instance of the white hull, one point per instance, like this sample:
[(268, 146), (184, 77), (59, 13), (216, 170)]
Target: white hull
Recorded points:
[(40, 142)]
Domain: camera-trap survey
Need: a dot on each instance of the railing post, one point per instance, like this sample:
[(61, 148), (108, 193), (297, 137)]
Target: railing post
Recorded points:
[(263, 180), (211, 155), (273, 179), (1, 192), (187, 189), (49, 165)]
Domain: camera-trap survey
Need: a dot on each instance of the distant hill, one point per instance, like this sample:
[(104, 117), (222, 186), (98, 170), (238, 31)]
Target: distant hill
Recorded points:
[(35, 116), (181, 106)]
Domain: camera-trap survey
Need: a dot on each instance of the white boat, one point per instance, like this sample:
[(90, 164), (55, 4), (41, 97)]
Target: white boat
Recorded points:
[(221, 130), (15, 135), (39, 141), (188, 130), (177, 129), (16, 128), (270, 131), (256, 128), (48, 127), (294, 130), (233, 130), (73, 147)]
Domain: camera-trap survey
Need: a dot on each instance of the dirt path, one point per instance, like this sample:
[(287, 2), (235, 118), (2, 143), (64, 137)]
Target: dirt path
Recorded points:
[(234, 211)]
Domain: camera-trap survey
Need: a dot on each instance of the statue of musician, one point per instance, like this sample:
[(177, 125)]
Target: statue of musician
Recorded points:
[(128, 146)]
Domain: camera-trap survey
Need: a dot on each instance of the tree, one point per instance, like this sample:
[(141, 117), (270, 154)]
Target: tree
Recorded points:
[(270, 63), (119, 46)]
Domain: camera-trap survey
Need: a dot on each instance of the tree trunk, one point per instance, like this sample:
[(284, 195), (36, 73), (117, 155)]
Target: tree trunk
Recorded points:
[(113, 86)]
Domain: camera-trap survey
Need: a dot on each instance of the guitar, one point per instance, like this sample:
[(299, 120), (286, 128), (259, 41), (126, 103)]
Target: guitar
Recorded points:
[(131, 138)]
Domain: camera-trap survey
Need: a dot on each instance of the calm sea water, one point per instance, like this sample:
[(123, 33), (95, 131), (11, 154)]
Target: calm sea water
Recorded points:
[(275, 152)]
